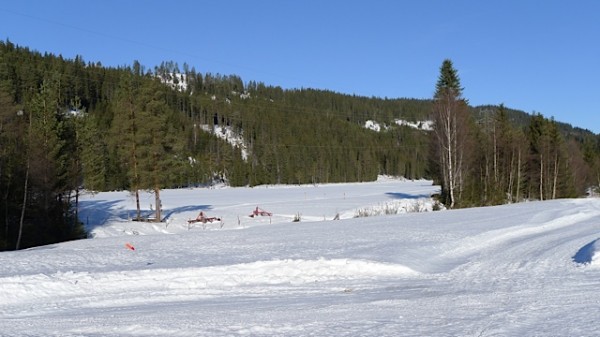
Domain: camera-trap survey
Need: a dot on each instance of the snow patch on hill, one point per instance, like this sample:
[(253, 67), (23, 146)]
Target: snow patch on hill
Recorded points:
[(227, 134), (373, 125), (175, 81), (420, 125)]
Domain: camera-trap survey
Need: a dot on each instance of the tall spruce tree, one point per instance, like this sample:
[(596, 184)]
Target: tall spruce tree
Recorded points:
[(160, 148), (451, 123), (125, 132)]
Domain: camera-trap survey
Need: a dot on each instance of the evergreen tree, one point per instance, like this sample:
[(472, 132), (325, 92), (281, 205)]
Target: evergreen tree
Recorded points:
[(159, 147), (451, 133), (12, 129), (125, 132)]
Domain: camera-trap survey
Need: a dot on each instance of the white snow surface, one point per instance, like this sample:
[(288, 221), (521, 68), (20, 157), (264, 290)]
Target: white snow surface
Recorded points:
[(372, 125), (423, 125), (528, 269)]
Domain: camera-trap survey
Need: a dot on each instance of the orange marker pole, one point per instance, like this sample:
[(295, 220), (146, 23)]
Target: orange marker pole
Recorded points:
[(129, 246)]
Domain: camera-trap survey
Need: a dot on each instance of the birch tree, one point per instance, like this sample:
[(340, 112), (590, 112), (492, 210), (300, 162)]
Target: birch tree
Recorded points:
[(450, 117)]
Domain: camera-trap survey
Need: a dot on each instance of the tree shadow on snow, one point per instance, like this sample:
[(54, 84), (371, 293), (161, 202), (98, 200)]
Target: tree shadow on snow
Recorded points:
[(197, 208), (96, 213), (397, 195), (586, 253)]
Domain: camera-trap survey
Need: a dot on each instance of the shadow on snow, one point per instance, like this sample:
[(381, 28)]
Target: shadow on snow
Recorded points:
[(586, 253), (196, 208), (398, 195), (96, 213)]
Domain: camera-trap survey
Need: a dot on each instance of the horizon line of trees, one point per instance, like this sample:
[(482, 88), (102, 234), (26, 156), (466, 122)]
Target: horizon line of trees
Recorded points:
[(67, 125), (490, 161)]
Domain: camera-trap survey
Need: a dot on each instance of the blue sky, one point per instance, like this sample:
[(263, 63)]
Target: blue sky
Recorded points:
[(536, 56)]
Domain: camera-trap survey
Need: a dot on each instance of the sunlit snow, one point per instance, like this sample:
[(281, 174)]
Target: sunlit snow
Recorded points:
[(527, 269), (421, 125)]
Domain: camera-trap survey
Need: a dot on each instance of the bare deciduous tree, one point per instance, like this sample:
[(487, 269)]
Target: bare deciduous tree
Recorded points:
[(450, 117)]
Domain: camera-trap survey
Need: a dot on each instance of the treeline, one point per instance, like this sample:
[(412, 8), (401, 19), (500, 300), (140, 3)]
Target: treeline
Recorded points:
[(487, 158), (68, 125)]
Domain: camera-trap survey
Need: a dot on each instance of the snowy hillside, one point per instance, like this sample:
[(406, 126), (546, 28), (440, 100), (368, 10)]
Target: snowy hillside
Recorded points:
[(422, 125), (529, 269), (227, 134)]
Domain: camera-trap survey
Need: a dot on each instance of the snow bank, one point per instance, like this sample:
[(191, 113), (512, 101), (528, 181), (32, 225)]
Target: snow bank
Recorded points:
[(184, 281), (589, 254)]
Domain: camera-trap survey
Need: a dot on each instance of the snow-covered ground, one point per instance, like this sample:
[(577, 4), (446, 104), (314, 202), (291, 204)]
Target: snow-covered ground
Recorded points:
[(528, 269)]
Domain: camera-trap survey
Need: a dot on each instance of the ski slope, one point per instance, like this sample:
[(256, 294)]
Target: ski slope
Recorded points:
[(528, 269)]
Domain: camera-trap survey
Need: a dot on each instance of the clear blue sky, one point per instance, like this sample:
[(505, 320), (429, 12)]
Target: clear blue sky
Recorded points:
[(536, 56)]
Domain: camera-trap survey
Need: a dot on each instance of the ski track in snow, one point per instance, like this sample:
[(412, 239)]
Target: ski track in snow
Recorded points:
[(515, 270)]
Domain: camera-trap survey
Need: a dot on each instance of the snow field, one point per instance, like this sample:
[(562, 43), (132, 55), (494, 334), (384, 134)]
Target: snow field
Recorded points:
[(233, 205), (528, 269), (202, 282)]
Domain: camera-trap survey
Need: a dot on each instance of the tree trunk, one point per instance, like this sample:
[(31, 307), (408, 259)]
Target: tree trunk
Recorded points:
[(157, 202), (541, 177), (5, 198), (137, 205), (495, 160), (450, 162), (28, 165), (518, 176), (554, 183), (511, 177), (22, 219)]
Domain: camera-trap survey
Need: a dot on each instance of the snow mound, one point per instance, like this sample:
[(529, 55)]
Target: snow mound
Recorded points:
[(171, 283), (589, 254)]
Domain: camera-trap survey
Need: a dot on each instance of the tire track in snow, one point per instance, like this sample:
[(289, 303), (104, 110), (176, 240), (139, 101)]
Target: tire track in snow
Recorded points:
[(501, 237)]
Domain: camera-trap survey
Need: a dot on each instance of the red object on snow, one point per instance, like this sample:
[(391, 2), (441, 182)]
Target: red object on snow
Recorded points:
[(129, 246), (260, 212), (203, 218)]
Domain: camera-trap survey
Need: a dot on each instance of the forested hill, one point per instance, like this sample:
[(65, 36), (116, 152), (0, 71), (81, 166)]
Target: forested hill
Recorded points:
[(69, 124), (522, 119), (291, 136)]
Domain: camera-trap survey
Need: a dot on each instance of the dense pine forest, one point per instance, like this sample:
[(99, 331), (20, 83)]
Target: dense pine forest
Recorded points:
[(67, 125)]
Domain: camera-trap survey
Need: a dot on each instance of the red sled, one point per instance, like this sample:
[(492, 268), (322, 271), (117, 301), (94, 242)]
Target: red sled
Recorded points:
[(203, 218), (260, 212)]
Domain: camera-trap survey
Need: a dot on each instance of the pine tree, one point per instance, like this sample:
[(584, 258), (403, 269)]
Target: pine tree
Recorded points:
[(160, 148), (94, 154), (125, 132), (12, 134)]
